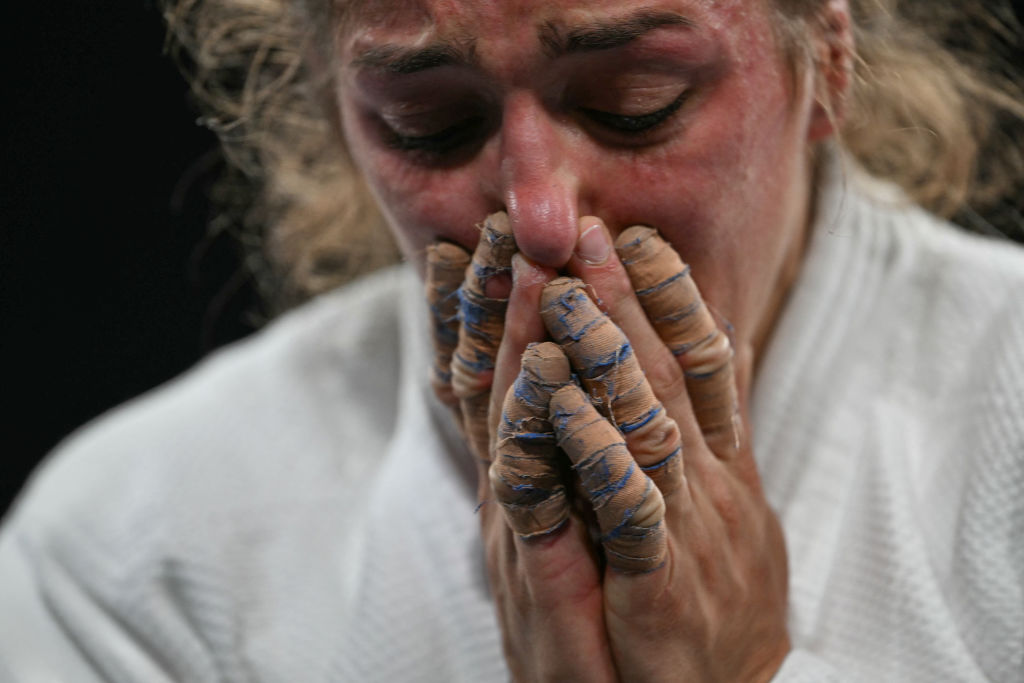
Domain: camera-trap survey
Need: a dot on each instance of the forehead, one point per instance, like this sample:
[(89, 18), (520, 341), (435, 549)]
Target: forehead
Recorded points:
[(523, 21)]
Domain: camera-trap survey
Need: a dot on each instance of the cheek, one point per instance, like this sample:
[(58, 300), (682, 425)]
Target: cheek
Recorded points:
[(726, 194), (719, 184), (420, 204)]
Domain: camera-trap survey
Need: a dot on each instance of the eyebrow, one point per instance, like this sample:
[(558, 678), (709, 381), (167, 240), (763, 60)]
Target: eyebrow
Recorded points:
[(602, 35), (406, 60), (606, 35)]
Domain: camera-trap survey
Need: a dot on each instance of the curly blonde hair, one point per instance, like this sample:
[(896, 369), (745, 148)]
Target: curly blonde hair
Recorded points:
[(930, 109)]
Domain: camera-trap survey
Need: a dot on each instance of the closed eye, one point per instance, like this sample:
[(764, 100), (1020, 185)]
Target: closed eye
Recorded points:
[(635, 124), (470, 129), (440, 142)]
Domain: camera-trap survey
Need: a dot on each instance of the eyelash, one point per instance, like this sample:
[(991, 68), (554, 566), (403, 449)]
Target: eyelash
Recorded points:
[(437, 143), (635, 125), (465, 131)]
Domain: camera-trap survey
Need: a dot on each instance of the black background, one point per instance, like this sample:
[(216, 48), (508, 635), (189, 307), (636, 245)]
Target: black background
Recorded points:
[(109, 281)]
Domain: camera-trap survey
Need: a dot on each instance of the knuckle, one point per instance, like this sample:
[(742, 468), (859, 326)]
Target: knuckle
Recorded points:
[(671, 481), (554, 583), (470, 378), (729, 506), (666, 379), (468, 383), (703, 550), (651, 512), (655, 441), (709, 355), (615, 289)]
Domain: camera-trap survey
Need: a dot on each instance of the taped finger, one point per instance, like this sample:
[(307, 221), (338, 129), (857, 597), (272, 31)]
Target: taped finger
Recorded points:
[(481, 318), (673, 303), (446, 269), (612, 375), (629, 508), (526, 475)]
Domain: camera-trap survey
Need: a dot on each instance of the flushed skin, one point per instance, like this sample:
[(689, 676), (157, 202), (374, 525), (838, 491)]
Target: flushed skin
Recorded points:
[(725, 179), (454, 109)]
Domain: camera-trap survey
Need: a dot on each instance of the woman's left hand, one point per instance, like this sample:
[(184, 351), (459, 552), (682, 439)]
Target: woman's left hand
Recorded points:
[(656, 556)]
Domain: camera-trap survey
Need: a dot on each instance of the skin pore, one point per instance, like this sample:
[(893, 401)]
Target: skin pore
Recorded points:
[(678, 114)]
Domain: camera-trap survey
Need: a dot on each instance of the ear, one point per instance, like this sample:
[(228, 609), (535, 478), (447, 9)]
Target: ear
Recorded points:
[(833, 65)]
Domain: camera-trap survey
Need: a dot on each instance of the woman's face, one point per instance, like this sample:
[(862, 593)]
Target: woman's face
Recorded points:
[(678, 114)]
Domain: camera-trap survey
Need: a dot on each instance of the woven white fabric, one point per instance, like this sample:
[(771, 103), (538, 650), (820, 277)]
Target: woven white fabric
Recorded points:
[(291, 510)]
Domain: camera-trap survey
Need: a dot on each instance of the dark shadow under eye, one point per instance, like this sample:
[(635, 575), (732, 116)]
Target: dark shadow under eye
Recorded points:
[(635, 124)]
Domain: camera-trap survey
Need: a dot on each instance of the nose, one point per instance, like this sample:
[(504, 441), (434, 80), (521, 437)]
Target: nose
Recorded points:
[(539, 183)]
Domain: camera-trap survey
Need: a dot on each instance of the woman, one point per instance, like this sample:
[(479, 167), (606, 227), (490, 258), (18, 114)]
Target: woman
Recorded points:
[(301, 508)]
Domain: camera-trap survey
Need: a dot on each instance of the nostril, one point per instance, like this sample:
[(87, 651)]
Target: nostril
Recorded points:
[(549, 257)]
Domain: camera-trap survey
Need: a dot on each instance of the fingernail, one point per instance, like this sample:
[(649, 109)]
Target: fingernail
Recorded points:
[(592, 246)]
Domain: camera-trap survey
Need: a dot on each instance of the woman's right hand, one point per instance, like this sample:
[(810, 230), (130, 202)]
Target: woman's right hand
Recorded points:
[(551, 613)]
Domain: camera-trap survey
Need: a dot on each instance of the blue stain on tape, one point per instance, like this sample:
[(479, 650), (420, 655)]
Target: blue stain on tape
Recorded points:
[(570, 301), (481, 362), (595, 474), (681, 314), (529, 392), (443, 332), (537, 437), (703, 375), (680, 348), (600, 366), (664, 283), (471, 309), (662, 463), (627, 427), (576, 335), (485, 272), (632, 243), (625, 526)]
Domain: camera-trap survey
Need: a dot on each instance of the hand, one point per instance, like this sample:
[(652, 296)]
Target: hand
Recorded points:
[(689, 579)]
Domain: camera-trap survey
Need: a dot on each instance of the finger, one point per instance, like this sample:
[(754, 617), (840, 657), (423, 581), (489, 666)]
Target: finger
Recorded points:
[(608, 280), (630, 509), (527, 474), (609, 370), (614, 291), (446, 268), (523, 326), (674, 305), (482, 304), (551, 605)]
